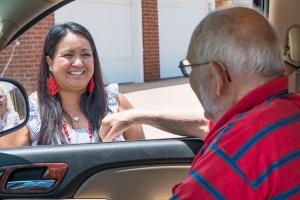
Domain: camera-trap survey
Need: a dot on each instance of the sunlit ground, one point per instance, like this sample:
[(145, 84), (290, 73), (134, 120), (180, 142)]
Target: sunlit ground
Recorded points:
[(165, 94)]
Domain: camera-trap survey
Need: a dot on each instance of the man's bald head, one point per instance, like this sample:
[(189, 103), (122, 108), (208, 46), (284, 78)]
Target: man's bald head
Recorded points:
[(242, 39)]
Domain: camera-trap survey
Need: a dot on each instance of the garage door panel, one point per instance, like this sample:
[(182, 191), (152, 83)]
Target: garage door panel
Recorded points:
[(113, 46), (177, 21), (116, 70), (174, 43), (182, 3), (171, 66), (180, 18), (125, 2), (103, 16), (112, 17), (78, 12), (110, 23), (122, 45), (122, 18)]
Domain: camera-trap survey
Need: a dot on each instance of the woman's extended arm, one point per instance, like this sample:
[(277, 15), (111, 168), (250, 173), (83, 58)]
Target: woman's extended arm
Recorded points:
[(183, 122), (135, 132), (21, 137)]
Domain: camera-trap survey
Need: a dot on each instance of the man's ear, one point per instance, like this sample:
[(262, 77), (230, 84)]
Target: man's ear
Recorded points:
[(49, 61), (218, 76)]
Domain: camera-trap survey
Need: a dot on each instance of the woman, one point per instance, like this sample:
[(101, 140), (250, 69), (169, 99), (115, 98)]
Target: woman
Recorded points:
[(8, 117), (71, 99)]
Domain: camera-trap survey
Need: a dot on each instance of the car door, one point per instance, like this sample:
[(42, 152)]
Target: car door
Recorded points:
[(117, 170), (120, 170)]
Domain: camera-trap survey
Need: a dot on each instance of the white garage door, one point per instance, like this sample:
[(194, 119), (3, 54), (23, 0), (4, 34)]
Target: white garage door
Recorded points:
[(177, 21), (110, 23)]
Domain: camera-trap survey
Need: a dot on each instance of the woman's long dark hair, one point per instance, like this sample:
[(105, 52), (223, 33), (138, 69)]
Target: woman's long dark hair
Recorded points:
[(94, 106)]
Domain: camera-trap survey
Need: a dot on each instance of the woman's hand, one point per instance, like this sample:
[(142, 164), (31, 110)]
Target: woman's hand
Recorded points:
[(115, 124), (134, 130)]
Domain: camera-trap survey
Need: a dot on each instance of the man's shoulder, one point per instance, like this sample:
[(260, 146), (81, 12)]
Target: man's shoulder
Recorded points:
[(267, 123), (253, 143), (269, 111)]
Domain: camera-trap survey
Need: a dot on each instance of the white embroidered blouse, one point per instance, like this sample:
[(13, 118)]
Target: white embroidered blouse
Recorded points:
[(78, 135)]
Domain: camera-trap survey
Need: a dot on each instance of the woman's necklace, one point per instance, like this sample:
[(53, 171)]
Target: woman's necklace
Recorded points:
[(89, 129), (75, 118)]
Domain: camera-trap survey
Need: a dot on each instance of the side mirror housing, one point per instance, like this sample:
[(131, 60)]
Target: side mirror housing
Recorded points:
[(14, 106)]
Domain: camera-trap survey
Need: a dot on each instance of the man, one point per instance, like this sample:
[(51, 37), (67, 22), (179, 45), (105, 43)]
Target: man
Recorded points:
[(253, 150)]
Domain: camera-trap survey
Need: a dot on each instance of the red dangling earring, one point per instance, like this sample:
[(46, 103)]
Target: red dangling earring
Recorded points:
[(53, 86), (91, 85)]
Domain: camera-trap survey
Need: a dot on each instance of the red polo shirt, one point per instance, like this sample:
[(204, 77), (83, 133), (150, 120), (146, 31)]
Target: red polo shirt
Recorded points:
[(252, 152)]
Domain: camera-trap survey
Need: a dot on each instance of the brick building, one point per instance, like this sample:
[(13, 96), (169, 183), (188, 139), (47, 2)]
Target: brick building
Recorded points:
[(24, 64), (144, 43)]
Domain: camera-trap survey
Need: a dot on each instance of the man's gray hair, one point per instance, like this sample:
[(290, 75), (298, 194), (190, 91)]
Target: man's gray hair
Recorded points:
[(243, 51)]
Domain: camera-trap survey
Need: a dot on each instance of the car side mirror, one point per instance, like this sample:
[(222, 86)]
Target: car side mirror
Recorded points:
[(292, 44), (14, 106)]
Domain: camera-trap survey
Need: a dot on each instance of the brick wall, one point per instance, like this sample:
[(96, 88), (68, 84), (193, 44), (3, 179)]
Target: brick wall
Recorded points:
[(150, 40), (26, 59)]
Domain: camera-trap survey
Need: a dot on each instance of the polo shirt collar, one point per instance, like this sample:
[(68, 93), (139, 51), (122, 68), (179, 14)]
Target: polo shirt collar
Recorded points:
[(254, 98)]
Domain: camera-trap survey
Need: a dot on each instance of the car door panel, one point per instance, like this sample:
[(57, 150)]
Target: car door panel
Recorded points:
[(90, 163), (134, 182)]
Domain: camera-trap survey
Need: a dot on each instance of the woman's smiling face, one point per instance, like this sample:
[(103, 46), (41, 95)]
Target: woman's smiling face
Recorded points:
[(73, 63)]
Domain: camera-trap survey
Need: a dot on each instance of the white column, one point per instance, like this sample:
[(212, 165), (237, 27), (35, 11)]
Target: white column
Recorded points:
[(137, 31)]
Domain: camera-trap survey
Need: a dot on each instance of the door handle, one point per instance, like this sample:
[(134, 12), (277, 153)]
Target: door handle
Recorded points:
[(39, 181), (30, 185)]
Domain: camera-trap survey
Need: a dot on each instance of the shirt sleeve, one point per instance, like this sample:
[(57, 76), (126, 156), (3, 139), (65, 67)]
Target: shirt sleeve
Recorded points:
[(112, 93), (34, 122)]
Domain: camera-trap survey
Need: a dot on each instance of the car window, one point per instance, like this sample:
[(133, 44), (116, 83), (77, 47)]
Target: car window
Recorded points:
[(119, 43)]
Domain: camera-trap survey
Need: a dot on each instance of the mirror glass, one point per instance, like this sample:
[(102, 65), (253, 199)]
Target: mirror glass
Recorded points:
[(13, 110)]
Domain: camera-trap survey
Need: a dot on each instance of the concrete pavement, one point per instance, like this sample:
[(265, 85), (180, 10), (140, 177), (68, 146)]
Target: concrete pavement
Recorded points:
[(163, 94)]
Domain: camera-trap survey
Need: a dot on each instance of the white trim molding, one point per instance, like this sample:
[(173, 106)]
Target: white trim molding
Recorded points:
[(137, 31)]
